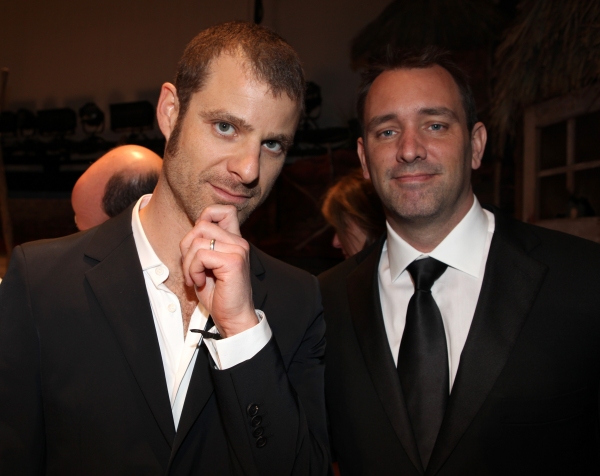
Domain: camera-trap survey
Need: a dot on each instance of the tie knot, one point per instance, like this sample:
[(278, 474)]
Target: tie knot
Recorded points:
[(425, 272)]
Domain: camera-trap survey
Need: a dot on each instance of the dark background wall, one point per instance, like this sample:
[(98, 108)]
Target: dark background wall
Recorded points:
[(66, 52)]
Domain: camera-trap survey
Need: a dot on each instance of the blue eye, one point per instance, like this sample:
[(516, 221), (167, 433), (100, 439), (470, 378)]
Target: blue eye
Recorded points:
[(273, 145), (224, 128), (437, 127), (387, 133)]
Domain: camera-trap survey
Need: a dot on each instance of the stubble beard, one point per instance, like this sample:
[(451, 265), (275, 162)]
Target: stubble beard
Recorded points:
[(411, 202), (416, 206)]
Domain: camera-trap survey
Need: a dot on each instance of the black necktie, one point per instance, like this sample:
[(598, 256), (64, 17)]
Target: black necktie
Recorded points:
[(423, 358)]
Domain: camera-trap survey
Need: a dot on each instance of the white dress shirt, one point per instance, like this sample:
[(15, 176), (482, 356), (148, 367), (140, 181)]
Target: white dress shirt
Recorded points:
[(465, 251), (179, 353)]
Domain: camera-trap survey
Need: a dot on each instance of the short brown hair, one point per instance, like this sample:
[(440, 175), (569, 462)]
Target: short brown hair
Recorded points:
[(353, 197), (271, 60), (389, 59)]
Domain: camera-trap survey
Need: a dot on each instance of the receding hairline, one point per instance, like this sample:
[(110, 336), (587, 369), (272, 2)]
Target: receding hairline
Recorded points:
[(236, 52), (238, 38)]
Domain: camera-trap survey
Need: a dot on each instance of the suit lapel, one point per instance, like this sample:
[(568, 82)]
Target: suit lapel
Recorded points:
[(367, 318), (511, 283), (118, 284), (201, 386), (199, 391)]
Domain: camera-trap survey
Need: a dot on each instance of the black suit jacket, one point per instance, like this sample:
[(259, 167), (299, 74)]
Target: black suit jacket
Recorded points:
[(82, 385), (525, 399)]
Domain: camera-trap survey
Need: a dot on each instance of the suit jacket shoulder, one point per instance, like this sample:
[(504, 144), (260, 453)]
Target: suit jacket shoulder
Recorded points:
[(66, 252), (531, 236), (571, 263), (333, 282)]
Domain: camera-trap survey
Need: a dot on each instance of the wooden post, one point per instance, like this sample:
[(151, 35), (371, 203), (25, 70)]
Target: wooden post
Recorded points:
[(571, 151), (7, 229), (530, 167)]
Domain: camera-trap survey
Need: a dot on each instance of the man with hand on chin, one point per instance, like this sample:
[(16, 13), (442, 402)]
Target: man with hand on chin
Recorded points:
[(161, 342)]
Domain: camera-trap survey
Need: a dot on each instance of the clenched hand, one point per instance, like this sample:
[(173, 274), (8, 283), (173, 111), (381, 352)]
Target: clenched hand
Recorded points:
[(222, 275)]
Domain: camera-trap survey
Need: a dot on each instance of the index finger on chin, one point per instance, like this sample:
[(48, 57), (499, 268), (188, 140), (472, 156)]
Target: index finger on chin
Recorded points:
[(223, 215)]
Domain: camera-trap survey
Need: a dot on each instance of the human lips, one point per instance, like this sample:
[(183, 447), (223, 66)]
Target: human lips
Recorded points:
[(230, 196), (415, 178)]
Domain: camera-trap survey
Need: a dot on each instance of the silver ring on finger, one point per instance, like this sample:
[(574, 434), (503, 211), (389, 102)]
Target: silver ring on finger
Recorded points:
[(212, 245)]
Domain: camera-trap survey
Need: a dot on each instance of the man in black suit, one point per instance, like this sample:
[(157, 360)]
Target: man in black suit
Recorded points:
[(109, 359), (463, 342)]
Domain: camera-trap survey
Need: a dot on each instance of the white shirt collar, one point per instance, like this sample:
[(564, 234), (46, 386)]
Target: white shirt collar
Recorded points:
[(461, 249), (148, 258)]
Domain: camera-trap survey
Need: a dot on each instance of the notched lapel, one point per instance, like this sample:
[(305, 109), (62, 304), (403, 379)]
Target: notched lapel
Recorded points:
[(367, 318), (118, 284), (199, 391), (510, 286)]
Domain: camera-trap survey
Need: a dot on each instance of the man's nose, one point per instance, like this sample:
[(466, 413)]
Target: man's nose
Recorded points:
[(246, 164), (411, 147)]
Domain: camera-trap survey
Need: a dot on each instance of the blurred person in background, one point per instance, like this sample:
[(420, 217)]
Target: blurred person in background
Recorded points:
[(354, 210), (112, 183)]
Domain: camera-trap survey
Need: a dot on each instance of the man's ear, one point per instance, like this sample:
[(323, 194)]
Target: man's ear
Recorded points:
[(167, 109), (360, 148), (478, 141)]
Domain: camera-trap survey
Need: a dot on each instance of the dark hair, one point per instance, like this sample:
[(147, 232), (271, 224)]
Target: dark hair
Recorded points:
[(390, 59), (353, 197), (271, 59), (124, 189)]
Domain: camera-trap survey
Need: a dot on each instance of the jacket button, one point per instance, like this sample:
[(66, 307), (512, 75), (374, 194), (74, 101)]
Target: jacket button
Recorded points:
[(256, 421), (252, 409), (261, 442), (258, 432)]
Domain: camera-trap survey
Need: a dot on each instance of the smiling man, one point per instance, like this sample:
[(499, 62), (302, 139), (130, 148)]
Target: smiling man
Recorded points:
[(161, 342), (463, 342)]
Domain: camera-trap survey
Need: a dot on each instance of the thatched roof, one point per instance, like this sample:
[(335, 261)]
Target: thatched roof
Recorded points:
[(452, 24), (552, 49)]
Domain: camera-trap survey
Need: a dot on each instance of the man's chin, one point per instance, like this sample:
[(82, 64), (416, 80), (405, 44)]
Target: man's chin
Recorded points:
[(243, 211), (244, 214), (416, 211)]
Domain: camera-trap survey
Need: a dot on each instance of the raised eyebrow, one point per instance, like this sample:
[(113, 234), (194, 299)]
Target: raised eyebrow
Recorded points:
[(438, 111), (378, 120), (221, 115)]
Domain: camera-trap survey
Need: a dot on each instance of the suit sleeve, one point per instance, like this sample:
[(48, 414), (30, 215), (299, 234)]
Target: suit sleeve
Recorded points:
[(274, 415), (22, 442)]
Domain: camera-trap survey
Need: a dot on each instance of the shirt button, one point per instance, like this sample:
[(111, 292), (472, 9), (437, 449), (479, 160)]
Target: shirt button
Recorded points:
[(172, 307), (160, 270)]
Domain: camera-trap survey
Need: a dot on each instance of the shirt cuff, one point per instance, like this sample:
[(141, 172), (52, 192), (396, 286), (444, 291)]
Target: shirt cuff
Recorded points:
[(241, 347)]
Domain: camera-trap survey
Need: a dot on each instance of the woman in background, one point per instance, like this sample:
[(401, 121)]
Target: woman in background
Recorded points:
[(354, 210)]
